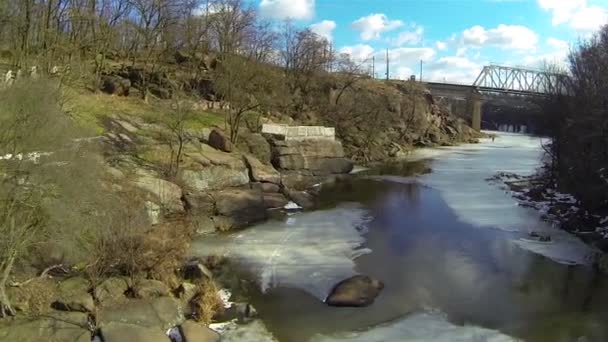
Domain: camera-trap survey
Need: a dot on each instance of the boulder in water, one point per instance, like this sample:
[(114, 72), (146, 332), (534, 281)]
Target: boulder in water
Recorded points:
[(357, 291)]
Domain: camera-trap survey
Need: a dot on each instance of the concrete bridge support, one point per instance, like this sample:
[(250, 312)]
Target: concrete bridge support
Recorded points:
[(475, 103)]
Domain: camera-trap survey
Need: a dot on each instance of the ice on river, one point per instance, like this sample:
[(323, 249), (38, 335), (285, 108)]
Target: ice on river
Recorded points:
[(311, 251), (460, 174), (425, 326)]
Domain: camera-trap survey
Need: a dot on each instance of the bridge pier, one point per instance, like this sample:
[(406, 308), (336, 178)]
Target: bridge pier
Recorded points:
[(475, 110)]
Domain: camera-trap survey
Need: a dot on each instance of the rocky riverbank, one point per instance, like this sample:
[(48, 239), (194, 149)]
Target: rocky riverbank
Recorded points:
[(561, 210)]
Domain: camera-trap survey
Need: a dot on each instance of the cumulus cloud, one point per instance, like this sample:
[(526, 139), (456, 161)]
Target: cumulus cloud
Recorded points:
[(372, 26), (359, 52), (284, 9), (452, 69), (441, 45), (589, 19), (576, 13), (515, 37), (558, 44), (411, 37), (324, 29)]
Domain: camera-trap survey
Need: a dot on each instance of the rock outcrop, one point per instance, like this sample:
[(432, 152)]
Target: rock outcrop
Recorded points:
[(56, 326), (74, 296), (166, 194), (262, 173), (238, 208), (214, 170), (319, 156), (356, 291)]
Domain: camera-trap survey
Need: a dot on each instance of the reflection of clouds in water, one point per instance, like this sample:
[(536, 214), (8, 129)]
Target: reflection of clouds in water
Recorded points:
[(427, 326), (312, 251)]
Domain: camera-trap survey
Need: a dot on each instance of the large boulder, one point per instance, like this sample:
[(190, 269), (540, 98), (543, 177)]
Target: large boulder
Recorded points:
[(56, 326), (115, 85), (218, 140), (300, 180), (168, 195), (158, 313), (302, 198), (215, 170), (241, 207), (274, 200), (356, 291), (74, 296), (256, 145), (319, 156), (199, 203), (120, 332), (193, 332), (260, 172), (111, 291), (149, 288)]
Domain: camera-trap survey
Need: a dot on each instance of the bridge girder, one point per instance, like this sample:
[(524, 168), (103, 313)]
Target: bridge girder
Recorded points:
[(502, 79)]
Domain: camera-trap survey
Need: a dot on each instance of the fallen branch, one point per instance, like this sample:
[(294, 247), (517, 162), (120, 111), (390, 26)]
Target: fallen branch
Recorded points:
[(42, 275)]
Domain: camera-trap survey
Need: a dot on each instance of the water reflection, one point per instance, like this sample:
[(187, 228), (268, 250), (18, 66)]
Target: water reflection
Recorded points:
[(430, 259)]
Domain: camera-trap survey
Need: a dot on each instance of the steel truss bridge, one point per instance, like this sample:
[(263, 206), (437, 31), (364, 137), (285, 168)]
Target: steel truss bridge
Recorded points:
[(520, 81), (501, 82)]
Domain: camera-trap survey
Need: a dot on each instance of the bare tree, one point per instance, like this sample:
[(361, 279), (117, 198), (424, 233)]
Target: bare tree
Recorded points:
[(30, 124), (246, 86)]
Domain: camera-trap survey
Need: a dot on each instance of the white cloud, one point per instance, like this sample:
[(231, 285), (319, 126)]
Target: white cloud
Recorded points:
[(515, 37), (589, 19), (409, 56), (576, 13), (358, 52), (558, 44), (561, 9), (411, 37), (324, 29), (373, 25), (441, 45), (283, 9), (404, 73), (452, 69)]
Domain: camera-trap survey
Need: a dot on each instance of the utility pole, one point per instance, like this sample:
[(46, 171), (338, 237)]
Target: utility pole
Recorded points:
[(387, 66), (420, 71), (373, 66)]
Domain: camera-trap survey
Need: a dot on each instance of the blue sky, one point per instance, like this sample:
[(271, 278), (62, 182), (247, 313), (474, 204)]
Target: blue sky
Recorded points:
[(453, 38)]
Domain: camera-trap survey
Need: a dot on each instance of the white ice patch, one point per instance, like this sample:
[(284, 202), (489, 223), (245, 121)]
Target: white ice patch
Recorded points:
[(292, 206), (225, 295), (429, 326), (312, 251), (460, 175)]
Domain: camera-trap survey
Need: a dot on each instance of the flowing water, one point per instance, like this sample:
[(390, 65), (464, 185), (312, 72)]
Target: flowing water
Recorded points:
[(452, 249)]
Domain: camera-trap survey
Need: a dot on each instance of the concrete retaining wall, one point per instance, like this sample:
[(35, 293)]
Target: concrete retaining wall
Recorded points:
[(300, 132)]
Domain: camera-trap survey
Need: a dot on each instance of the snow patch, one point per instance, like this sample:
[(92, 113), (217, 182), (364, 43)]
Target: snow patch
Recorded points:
[(292, 206)]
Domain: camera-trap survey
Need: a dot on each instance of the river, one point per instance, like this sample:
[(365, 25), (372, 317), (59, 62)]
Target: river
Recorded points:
[(451, 247)]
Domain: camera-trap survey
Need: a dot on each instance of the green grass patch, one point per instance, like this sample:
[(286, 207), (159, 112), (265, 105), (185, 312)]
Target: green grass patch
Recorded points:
[(89, 108)]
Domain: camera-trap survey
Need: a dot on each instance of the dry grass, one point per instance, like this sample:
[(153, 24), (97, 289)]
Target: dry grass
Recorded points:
[(207, 303), (165, 251), (34, 298)]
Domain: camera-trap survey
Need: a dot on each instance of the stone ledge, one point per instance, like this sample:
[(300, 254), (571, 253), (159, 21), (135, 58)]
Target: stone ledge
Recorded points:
[(300, 132)]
